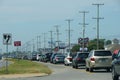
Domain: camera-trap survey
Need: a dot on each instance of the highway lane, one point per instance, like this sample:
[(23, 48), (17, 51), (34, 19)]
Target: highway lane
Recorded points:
[(61, 72)]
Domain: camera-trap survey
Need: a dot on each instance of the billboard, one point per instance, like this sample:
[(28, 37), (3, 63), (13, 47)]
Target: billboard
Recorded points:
[(17, 43)]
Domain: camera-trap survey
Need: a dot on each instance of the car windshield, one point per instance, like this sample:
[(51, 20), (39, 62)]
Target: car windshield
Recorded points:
[(103, 53)]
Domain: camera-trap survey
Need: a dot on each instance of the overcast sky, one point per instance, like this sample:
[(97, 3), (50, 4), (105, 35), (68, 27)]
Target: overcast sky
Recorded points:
[(27, 19)]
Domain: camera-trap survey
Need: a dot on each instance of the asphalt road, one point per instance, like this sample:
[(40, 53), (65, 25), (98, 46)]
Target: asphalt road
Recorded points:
[(61, 72)]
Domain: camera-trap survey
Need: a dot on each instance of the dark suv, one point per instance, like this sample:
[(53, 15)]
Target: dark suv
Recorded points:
[(79, 59), (116, 67)]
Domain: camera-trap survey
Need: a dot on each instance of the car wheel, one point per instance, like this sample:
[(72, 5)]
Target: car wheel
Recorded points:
[(87, 69), (91, 69), (73, 66), (114, 75), (76, 66)]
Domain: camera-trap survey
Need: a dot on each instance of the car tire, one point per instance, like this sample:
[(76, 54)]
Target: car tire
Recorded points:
[(76, 67), (114, 75), (91, 69), (87, 69)]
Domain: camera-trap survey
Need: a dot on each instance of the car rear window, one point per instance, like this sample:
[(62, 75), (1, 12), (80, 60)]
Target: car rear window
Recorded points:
[(103, 53), (83, 55)]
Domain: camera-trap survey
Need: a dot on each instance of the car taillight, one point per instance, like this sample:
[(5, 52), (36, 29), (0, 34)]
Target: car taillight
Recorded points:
[(78, 59), (92, 59), (69, 58)]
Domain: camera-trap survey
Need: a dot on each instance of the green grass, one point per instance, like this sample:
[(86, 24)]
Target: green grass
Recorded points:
[(25, 66)]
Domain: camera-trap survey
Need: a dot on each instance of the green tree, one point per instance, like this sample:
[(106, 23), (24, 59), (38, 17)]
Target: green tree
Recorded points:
[(76, 48), (108, 42)]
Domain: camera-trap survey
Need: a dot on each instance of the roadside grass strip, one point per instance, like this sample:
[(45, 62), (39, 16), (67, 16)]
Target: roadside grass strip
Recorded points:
[(25, 67)]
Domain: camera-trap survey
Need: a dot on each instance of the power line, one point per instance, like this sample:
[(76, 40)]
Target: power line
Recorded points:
[(98, 18)]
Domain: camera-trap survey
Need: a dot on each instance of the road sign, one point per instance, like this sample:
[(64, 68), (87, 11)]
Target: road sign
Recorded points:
[(81, 40), (17, 43), (7, 39)]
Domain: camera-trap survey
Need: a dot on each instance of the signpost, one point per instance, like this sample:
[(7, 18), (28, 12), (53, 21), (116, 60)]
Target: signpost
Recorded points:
[(7, 40), (17, 44), (84, 41)]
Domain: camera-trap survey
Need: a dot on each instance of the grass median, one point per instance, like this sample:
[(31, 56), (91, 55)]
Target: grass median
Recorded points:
[(25, 67)]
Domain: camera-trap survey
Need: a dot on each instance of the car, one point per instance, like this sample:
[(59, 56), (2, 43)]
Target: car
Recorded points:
[(38, 57), (116, 67), (58, 58), (99, 59), (68, 59), (79, 59), (47, 57), (52, 57)]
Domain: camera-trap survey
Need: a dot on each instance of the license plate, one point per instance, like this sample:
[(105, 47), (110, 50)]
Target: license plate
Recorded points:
[(103, 60)]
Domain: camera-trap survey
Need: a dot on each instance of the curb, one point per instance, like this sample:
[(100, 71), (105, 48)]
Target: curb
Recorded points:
[(23, 75)]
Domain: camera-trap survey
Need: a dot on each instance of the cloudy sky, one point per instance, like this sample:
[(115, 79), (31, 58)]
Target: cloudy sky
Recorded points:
[(27, 19)]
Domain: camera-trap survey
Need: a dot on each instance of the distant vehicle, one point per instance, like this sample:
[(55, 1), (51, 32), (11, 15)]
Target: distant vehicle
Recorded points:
[(52, 57), (47, 57), (116, 67), (38, 57), (79, 59), (58, 58), (99, 59), (68, 59), (42, 58)]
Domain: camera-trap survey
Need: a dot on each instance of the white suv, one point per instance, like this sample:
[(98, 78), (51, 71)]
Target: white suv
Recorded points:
[(99, 59)]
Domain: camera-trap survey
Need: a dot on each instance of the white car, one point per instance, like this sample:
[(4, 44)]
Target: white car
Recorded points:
[(68, 59)]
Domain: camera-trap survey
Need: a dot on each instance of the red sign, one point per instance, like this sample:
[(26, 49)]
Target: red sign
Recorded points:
[(17, 43)]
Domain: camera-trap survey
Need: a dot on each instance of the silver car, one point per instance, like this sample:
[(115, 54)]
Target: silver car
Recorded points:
[(99, 59)]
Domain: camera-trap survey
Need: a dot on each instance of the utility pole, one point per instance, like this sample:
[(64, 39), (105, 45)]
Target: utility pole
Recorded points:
[(69, 21), (51, 40), (38, 42), (98, 18), (84, 24), (57, 31), (44, 41), (33, 46)]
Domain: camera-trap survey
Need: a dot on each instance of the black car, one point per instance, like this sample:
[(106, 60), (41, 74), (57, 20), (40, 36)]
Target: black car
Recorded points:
[(79, 59), (47, 57), (116, 67)]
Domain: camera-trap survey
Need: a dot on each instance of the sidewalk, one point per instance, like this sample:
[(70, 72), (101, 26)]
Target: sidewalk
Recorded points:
[(23, 75)]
